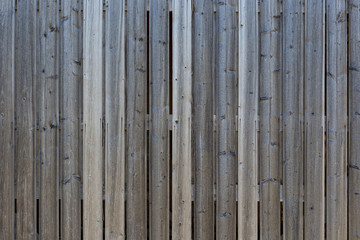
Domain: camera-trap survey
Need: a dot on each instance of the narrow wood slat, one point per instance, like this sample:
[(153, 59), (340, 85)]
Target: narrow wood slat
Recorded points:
[(136, 92), (47, 90), (226, 98), (25, 72), (247, 120), (336, 77), (292, 118), (7, 206), (354, 81), (203, 116), (181, 120), (92, 123), (159, 109), (115, 120), (314, 193), (270, 112), (70, 101)]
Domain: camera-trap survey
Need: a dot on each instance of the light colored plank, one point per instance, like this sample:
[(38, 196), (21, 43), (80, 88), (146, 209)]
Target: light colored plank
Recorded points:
[(92, 123), (136, 92), (25, 73), (270, 112), (159, 109), (70, 101), (226, 111), (336, 77), (7, 206), (354, 81), (115, 120), (314, 193), (247, 120), (292, 118), (203, 118), (47, 90), (181, 120)]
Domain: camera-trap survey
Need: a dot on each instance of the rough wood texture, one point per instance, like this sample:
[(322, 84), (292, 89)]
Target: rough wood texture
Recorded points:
[(181, 120), (292, 118), (159, 109), (25, 75), (270, 111), (70, 101), (47, 89), (314, 193), (354, 81), (336, 77), (203, 116), (136, 92), (92, 123), (247, 124), (115, 120), (226, 100), (7, 206)]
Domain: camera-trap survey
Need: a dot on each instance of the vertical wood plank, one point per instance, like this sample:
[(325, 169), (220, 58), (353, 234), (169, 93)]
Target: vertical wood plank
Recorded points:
[(70, 101), (136, 207), (25, 75), (292, 118), (48, 73), (314, 119), (115, 120), (248, 112), (270, 111), (225, 97), (336, 72), (354, 75), (181, 120), (203, 118), (159, 109), (92, 123), (7, 206)]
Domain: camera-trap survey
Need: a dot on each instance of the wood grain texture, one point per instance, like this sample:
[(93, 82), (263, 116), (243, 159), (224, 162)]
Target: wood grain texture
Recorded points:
[(270, 112), (93, 120), (181, 119), (70, 105), (203, 116), (48, 108), (159, 110), (247, 123), (7, 206), (314, 194), (336, 81), (25, 82), (354, 81), (136, 93), (115, 120), (226, 113), (293, 67)]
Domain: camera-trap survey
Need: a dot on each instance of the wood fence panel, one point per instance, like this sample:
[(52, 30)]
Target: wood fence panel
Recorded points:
[(25, 92), (226, 109), (159, 110), (270, 111), (336, 81), (7, 203), (354, 114), (115, 120), (136, 93), (314, 194), (48, 95), (202, 119), (292, 118), (247, 123), (93, 121)]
